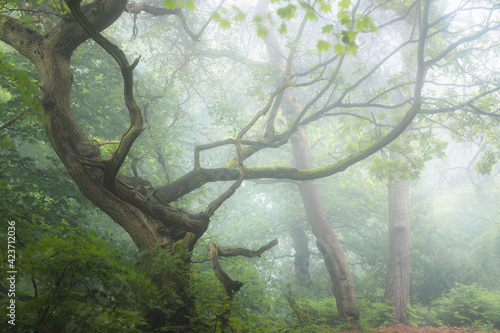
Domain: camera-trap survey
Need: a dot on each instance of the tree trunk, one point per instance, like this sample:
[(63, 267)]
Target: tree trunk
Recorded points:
[(397, 288), (148, 221), (326, 239), (398, 268), (301, 262)]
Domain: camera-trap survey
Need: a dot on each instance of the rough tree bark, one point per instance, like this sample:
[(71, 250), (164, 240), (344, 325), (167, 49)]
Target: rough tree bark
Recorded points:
[(398, 269), (326, 239), (397, 288)]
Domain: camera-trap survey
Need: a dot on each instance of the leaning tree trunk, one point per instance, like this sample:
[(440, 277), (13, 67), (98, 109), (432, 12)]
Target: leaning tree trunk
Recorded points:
[(149, 221), (326, 239)]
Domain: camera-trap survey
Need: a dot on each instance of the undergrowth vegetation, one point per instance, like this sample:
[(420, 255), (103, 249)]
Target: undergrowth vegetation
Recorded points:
[(464, 306)]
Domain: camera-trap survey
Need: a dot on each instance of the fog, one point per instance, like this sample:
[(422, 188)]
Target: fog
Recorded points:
[(362, 136)]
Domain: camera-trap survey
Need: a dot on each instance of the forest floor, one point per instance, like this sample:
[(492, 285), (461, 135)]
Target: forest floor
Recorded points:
[(399, 328)]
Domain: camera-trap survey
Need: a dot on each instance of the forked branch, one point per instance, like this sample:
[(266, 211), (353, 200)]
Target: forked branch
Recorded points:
[(160, 11), (136, 122), (231, 287)]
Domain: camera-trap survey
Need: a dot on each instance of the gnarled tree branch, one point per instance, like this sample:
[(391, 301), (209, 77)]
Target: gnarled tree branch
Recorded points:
[(231, 287), (136, 121)]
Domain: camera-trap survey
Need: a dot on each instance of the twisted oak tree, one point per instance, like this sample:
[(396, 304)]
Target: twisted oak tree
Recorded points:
[(145, 212)]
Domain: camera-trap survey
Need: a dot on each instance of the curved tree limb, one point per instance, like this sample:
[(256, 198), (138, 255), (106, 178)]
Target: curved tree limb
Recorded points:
[(246, 252), (136, 121), (199, 177), (230, 286), (214, 205), (139, 7), (463, 105)]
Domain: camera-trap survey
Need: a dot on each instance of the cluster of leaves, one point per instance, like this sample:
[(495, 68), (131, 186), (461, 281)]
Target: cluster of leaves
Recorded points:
[(173, 4), (33, 184), (375, 313), (256, 306), (351, 27), (463, 306), (485, 165), (74, 279), (210, 298), (319, 312), (12, 79)]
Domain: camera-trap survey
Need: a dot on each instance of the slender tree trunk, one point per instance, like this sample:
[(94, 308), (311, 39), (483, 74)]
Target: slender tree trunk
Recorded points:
[(326, 239), (398, 268)]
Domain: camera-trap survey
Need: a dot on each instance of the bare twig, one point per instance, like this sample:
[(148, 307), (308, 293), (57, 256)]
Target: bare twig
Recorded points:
[(10, 122)]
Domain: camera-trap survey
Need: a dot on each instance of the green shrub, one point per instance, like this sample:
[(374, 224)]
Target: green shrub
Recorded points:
[(471, 306), (423, 316), (70, 280), (375, 314), (319, 312)]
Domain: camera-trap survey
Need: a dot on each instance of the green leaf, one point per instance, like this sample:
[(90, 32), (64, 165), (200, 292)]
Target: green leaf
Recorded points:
[(261, 31), (216, 17), (311, 15), (327, 29), (287, 12), (352, 48), (339, 48), (326, 8), (225, 24), (172, 4), (323, 45), (359, 26), (283, 29), (368, 23), (190, 5), (352, 35), (240, 16), (343, 4), (344, 17), (348, 36)]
